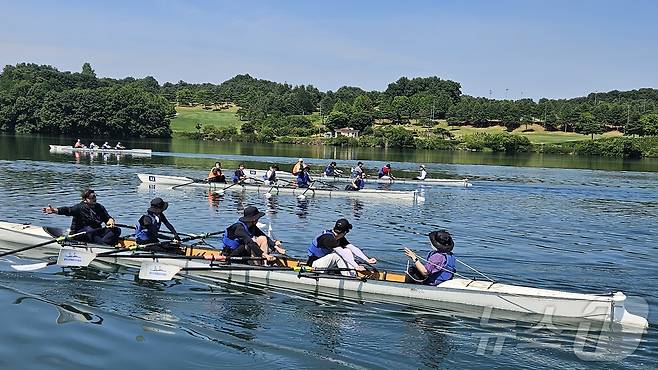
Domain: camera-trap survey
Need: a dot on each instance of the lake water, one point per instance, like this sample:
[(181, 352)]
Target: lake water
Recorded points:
[(567, 223)]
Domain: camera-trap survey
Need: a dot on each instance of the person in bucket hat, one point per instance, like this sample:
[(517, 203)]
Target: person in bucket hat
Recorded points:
[(148, 226), (440, 264), (245, 239), (331, 250)]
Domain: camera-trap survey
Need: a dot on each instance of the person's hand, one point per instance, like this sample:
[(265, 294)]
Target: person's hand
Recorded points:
[(176, 239), (110, 223), (269, 258), (371, 261), (410, 253), (48, 210), (360, 268)]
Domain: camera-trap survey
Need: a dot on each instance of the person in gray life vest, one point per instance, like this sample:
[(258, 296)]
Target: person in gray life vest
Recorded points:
[(440, 263), (148, 226), (332, 251)]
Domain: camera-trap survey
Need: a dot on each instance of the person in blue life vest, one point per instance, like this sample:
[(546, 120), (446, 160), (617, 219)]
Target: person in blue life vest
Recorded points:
[(357, 170), (332, 171), (357, 183), (331, 250), (245, 239), (239, 175), (440, 264), (304, 178), (148, 226)]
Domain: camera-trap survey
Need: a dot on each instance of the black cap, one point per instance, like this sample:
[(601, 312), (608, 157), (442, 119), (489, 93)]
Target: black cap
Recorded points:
[(158, 205), (251, 214), (442, 241), (342, 226), (359, 163)]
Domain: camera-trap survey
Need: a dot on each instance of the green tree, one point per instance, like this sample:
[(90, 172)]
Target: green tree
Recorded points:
[(88, 71), (588, 125), (650, 124)]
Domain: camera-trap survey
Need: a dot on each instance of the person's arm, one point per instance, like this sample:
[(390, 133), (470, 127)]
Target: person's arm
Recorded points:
[(419, 265), (169, 226), (105, 216), (359, 253)]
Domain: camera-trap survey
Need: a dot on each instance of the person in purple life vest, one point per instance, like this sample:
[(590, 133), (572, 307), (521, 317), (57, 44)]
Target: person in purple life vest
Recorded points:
[(439, 265)]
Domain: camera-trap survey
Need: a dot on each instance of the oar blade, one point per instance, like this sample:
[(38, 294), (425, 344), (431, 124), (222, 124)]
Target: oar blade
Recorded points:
[(32, 267), (150, 270), (74, 257)]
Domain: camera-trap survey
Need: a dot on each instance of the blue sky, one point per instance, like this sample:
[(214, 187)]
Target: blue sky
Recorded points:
[(555, 49)]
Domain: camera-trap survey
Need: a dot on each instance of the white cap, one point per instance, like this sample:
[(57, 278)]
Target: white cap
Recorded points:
[(300, 160), (422, 166)]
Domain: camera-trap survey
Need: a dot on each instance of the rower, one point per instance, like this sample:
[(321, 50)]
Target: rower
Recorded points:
[(385, 172), (148, 226), (356, 170), (79, 144), (216, 174), (332, 171), (238, 175), (298, 167), (440, 264), (245, 239), (270, 175), (332, 250), (119, 146), (303, 177), (93, 146), (357, 183), (106, 146), (423, 173), (89, 216)]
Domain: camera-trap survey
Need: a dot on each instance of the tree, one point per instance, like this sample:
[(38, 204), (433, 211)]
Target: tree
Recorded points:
[(650, 124), (88, 71), (588, 125), (337, 120), (247, 128)]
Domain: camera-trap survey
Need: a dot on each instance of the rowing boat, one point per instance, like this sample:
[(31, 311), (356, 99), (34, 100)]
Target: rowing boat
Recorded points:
[(254, 184), (464, 183), (70, 149), (460, 295)]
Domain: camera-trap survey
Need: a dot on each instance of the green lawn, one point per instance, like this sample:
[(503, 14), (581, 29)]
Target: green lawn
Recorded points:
[(187, 118)]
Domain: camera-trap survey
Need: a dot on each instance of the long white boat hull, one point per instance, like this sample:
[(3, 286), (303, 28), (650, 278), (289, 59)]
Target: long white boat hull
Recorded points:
[(70, 149), (389, 195), (472, 298), (464, 183)]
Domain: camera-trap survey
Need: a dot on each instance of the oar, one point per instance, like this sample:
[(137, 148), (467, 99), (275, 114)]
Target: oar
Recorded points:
[(187, 183), (221, 191), (327, 184), (302, 196), (58, 239), (161, 231)]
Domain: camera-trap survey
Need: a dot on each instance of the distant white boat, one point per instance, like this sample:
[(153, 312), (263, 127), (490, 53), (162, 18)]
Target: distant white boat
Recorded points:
[(70, 149)]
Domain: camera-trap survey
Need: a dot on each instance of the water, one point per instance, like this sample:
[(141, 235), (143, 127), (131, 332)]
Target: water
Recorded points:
[(580, 229)]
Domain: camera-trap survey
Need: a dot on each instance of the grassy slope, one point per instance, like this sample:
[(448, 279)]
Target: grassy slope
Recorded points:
[(188, 117)]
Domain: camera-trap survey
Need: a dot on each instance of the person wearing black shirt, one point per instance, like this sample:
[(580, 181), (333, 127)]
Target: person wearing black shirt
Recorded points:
[(89, 216), (245, 239)]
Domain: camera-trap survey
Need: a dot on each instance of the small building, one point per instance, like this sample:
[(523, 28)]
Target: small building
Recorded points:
[(346, 131)]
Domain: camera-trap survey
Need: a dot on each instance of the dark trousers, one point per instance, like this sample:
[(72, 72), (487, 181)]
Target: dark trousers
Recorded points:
[(415, 278), (108, 236)]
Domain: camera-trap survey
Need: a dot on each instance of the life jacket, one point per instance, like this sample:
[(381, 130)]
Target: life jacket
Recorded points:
[(360, 183), (317, 252), (297, 168), (446, 273), (330, 171), (237, 175), (303, 179), (144, 233), (356, 171), (233, 244), (384, 171)]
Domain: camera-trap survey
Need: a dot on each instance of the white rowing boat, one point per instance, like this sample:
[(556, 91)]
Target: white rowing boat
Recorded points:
[(70, 149), (470, 297), (464, 183), (254, 185)]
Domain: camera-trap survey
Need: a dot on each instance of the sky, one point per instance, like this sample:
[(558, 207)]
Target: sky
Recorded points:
[(498, 48)]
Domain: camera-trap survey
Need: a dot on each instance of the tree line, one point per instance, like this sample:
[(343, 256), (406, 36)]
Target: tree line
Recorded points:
[(37, 98)]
